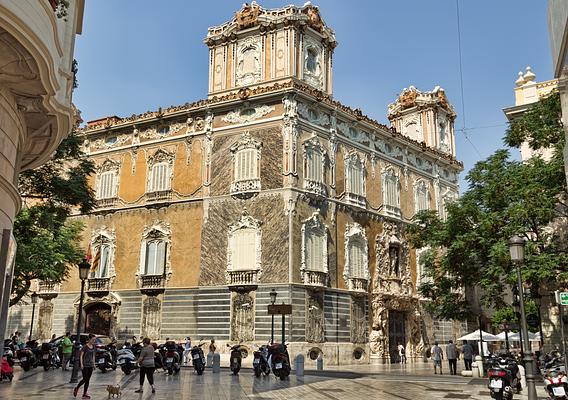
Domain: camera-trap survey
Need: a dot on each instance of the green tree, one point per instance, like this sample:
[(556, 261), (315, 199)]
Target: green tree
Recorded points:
[(504, 197), (48, 241)]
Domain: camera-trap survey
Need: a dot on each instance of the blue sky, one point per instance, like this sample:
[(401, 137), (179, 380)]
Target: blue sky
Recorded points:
[(139, 55)]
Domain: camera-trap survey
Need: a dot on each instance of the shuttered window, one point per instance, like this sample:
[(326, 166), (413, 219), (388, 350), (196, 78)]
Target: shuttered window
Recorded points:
[(357, 254), (160, 179), (315, 243), (391, 190), (355, 183), (422, 197), (243, 249), (107, 188), (104, 262), (245, 165), (314, 167), (156, 251)]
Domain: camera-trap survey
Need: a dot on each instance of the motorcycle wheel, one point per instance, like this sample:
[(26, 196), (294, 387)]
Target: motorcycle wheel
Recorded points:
[(46, 367), (170, 371), (103, 369), (114, 367), (257, 372), (11, 362), (498, 396), (236, 371), (199, 370), (126, 370), (26, 367)]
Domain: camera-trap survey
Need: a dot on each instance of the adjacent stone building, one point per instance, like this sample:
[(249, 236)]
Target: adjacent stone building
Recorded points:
[(269, 183)]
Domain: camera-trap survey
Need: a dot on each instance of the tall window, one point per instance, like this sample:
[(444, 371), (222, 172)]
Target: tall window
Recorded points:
[(355, 179), (102, 256), (311, 60), (155, 262), (357, 258), (160, 179), (107, 185), (246, 156), (314, 165), (421, 196), (391, 192), (314, 244), (244, 251)]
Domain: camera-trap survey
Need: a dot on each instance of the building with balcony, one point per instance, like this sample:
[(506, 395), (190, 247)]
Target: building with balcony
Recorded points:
[(37, 39), (267, 183)]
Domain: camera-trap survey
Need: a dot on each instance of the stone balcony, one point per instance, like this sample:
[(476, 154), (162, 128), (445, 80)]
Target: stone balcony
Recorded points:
[(243, 278), (98, 287), (358, 284), (315, 187), (246, 187), (392, 211), (152, 284), (48, 290), (107, 203), (159, 195), (356, 199), (315, 278)]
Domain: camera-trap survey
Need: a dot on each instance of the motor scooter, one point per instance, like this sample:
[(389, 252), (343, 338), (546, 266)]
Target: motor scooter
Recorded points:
[(198, 358), (104, 358), (236, 358), (280, 360), (556, 384), (28, 356), (6, 370), (260, 361), (127, 358), (171, 358), (504, 378), (9, 352), (50, 356)]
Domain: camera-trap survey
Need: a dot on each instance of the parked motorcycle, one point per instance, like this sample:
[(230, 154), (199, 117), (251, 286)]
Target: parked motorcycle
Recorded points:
[(198, 358), (50, 356), (280, 360), (105, 358), (127, 358), (556, 384), (9, 352), (260, 361), (171, 359), (28, 356), (504, 378), (236, 358), (6, 370)]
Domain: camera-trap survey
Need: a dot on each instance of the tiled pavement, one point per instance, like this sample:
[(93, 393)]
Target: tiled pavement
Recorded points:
[(352, 382)]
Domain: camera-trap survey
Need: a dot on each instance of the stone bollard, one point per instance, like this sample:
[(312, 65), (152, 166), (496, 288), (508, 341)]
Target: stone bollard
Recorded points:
[(209, 359), (299, 365), (216, 362), (467, 373), (475, 370), (319, 362), (479, 362)]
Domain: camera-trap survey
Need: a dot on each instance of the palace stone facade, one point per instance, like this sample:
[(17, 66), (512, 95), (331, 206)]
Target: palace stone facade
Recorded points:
[(268, 183)]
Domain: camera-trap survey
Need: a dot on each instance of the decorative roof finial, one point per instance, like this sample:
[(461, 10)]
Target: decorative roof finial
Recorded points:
[(529, 76), (520, 80)]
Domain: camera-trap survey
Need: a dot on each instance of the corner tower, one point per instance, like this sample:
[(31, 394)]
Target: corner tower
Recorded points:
[(426, 117), (261, 46)]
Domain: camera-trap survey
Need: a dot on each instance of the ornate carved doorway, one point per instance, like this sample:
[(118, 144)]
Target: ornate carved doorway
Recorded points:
[(397, 333), (98, 318)]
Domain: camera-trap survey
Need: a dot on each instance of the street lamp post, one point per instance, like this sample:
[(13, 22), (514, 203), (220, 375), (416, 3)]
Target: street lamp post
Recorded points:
[(273, 295), (84, 268), (517, 251), (34, 302)]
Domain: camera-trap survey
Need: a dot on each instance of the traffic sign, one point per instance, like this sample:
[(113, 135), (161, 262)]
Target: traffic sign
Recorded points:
[(279, 309), (532, 320), (563, 297)]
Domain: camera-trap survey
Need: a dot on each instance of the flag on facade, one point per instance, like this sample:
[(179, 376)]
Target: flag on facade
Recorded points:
[(89, 255), (96, 260)]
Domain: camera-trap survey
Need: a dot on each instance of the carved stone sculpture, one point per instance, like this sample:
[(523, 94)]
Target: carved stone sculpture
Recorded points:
[(151, 317), (315, 322), (242, 321)]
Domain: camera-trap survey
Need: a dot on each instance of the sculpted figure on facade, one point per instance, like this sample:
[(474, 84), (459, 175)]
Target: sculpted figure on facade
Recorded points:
[(242, 323), (315, 322), (392, 273), (378, 339)]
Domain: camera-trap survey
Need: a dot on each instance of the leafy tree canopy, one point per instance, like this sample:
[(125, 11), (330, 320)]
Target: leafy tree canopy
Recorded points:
[(48, 242), (504, 197)]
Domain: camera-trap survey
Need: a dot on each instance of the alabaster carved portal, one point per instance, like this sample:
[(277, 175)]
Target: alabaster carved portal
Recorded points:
[(393, 291), (358, 320), (315, 322), (242, 317), (151, 317)]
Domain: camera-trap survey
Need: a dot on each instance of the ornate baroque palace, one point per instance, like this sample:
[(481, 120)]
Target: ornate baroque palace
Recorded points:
[(204, 208)]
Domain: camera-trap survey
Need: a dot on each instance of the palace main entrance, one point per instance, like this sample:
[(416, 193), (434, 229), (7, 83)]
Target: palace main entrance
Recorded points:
[(397, 333), (98, 319)]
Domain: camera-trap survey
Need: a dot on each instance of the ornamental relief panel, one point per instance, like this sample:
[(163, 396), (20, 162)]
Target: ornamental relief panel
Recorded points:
[(315, 321), (313, 62), (242, 317), (247, 113), (248, 63), (313, 115)]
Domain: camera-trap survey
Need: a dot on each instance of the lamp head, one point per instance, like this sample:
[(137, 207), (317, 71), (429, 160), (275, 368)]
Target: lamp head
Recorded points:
[(34, 297), (84, 269), (273, 295), (517, 249)]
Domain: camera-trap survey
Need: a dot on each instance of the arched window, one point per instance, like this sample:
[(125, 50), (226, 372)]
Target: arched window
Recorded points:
[(314, 244), (107, 180), (244, 261), (421, 196), (355, 179), (246, 156), (356, 271), (160, 166), (391, 192), (102, 258), (154, 260), (103, 243)]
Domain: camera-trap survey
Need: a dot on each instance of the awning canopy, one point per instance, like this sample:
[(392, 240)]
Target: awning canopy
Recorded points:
[(487, 337)]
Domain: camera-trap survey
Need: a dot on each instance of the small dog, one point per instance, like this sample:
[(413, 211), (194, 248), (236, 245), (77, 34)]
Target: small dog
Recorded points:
[(114, 391)]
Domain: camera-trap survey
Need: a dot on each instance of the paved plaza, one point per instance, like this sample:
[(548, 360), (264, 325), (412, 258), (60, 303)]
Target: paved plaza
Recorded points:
[(413, 382)]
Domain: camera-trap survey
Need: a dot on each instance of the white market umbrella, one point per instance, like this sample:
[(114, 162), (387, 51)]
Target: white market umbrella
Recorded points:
[(516, 337), (487, 337)]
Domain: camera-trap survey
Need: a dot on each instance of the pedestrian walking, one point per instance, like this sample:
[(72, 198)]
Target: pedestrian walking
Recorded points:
[(147, 366), (87, 363), (187, 350), (437, 357), (401, 353), (212, 348), (67, 351), (452, 353), (467, 351)]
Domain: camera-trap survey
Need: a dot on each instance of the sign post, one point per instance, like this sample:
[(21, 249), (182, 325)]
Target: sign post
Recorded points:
[(282, 309), (562, 300)]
